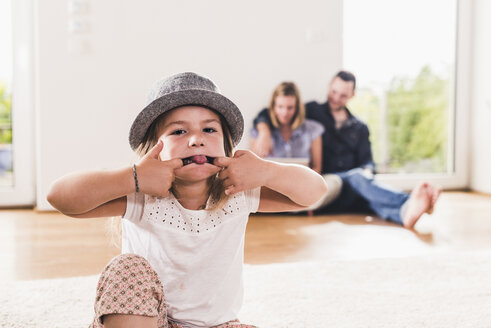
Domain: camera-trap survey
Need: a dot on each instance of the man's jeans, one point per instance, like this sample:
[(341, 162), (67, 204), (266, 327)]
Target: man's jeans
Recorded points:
[(360, 193)]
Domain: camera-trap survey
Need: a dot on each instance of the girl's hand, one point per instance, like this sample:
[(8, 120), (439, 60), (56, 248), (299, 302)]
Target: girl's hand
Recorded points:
[(283, 186), (242, 172), (155, 177)]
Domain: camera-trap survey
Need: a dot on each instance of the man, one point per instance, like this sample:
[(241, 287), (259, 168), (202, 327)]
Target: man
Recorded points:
[(347, 157)]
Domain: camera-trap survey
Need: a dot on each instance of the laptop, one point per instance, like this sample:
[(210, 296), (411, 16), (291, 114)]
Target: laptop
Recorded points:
[(290, 160)]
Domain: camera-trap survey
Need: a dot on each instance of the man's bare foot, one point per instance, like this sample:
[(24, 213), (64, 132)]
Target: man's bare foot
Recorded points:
[(420, 202), (435, 193)]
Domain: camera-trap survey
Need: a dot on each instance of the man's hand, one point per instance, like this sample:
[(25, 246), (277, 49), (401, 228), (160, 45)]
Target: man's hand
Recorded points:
[(155, 177)]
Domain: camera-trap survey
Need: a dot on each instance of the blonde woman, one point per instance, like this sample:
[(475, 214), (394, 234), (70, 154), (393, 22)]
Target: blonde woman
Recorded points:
[(293, 135)]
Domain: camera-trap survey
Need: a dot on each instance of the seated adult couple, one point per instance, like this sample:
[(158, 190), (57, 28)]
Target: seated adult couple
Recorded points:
[(338, 147)]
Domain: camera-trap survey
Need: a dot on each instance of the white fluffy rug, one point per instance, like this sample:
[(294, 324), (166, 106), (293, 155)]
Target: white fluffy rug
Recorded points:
[(436, 291)]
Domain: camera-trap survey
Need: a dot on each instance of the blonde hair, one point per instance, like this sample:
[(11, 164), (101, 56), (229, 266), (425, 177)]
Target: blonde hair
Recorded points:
[(287, 89), (217, 189)]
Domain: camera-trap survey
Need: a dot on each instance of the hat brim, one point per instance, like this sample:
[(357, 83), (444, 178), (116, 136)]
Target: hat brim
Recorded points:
[(192, 97)]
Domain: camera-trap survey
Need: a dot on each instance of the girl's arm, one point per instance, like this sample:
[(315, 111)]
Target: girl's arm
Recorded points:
[(103, 193), (92, 193), (284, 186), (116, 207), (316, 153)]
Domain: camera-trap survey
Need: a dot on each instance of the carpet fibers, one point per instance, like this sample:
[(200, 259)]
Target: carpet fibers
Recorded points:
[(434, 291)]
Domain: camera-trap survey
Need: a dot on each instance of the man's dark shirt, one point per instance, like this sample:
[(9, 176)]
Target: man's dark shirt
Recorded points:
[(343, 149)]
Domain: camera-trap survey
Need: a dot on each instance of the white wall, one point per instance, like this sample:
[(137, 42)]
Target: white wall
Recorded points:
[(92, 83), (480, 168)]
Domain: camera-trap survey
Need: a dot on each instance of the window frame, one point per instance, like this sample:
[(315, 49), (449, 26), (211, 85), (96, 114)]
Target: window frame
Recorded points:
[(22, 193)]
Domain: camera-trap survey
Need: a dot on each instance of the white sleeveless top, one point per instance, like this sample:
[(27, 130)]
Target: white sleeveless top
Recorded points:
[(197, 254)]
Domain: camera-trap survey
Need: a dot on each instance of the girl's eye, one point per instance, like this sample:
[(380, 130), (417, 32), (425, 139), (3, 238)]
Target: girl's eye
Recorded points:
[(178, 132), (209, 130)]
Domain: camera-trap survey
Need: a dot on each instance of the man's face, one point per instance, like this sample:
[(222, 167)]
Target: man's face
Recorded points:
[(339, 93)]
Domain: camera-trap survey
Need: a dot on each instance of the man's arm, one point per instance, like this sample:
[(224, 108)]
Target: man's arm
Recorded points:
[(364, 151), (262, 117)]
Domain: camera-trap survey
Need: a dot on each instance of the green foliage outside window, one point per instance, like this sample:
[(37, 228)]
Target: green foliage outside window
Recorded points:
[(416, 121), (5, 115)]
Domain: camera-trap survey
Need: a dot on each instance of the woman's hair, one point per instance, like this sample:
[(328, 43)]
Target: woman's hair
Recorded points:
[(287, 89), (217, 189)]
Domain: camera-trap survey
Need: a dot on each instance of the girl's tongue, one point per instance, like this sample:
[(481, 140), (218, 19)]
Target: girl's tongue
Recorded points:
[(199, 159)]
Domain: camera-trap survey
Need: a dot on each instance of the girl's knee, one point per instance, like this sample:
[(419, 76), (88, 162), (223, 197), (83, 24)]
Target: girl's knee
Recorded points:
[(128, 259), (129, 285), (129, 271), (126, 264)]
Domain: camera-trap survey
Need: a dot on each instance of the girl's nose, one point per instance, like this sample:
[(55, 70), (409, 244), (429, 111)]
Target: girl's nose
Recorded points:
[(196, 141)]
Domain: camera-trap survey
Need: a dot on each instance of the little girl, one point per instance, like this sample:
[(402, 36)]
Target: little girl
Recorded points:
[(184, 208)]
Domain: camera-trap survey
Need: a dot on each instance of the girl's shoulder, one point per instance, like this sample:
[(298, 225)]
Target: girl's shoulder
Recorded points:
[(139, 205), (244, 201)]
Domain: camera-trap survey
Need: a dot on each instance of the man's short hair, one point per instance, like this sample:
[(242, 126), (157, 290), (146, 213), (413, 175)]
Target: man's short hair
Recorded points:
[(347, 77)]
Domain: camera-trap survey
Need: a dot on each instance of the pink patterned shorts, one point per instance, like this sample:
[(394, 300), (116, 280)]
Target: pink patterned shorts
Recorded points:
[(129, 285)]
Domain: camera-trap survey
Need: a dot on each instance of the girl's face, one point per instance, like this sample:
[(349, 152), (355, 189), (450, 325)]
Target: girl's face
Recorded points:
[(284, 109), (193, 134)]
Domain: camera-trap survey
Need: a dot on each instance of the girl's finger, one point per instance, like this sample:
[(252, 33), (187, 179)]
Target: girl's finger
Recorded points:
[(230, 190), (155, 151), (222, 161), (174, 163), (223, 174), (240, 153)]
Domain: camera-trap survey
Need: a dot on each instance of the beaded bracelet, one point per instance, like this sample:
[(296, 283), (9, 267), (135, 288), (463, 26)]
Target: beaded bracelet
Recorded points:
[(136, 178)]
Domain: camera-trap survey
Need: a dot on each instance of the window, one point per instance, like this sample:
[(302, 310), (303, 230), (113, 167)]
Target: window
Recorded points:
[(16, 104), (403, 54), (6, 177)]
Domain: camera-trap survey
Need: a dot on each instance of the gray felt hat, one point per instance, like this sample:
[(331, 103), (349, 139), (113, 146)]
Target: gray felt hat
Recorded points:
[(181, 90)]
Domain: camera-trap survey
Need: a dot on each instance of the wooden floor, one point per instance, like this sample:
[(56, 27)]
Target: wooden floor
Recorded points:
[(50, 245)]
